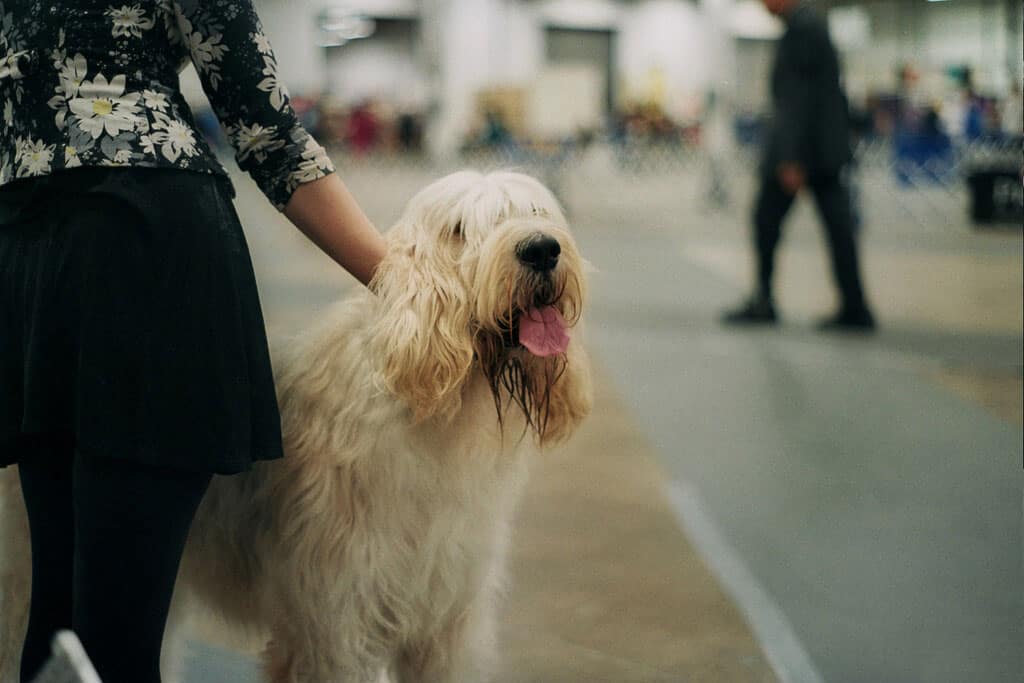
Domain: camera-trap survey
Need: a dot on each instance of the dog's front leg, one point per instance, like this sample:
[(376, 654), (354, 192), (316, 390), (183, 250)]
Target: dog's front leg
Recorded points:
[(15, 574), (173, 648), (312, 659), (460, 652)]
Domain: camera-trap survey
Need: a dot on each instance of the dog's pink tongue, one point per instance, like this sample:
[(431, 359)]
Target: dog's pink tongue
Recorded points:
[(543, 331)]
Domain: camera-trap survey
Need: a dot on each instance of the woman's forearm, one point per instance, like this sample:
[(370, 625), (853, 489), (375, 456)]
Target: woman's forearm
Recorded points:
[(328, 214)]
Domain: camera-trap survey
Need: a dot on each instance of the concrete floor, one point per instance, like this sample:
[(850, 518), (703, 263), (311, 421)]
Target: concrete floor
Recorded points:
[(863, 494), (868, 483)]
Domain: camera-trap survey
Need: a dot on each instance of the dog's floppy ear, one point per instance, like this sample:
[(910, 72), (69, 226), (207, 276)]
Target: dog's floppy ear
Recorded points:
[(422, 330)]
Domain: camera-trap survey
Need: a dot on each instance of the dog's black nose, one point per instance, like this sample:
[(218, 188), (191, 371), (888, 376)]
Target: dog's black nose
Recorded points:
[(539, 252)]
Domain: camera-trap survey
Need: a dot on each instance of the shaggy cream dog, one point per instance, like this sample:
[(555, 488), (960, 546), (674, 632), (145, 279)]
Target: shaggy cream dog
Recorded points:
[(377, 544)]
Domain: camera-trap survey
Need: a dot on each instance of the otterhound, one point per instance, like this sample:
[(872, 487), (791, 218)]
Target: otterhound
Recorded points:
[(409, 415)]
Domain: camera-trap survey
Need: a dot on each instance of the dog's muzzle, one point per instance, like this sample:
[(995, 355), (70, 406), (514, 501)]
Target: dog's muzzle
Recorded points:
[(539, 252)]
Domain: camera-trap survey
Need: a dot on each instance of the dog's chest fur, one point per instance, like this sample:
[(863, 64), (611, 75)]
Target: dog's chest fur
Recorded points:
[(410, 521)]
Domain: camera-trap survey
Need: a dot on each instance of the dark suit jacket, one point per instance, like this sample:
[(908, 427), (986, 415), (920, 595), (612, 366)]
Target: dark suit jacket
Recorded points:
[(809, 111)]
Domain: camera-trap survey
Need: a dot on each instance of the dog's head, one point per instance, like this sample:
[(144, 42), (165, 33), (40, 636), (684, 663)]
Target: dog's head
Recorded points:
[(482, 274)]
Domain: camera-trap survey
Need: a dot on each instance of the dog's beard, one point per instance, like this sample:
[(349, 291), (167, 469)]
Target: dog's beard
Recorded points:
[(515, 376)]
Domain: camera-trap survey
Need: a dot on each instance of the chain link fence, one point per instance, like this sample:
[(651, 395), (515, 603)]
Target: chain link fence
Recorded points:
[(641, 180)]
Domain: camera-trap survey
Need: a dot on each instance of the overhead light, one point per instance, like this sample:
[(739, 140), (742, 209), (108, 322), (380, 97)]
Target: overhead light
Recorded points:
[(339, 25), (351, 27), (331, 42)]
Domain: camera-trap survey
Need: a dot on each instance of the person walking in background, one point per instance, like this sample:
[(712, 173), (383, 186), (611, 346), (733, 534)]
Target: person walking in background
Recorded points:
[(133, 355), (807, 145)]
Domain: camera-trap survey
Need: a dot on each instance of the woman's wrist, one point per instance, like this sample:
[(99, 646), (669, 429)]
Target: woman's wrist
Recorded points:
[(326, 212)]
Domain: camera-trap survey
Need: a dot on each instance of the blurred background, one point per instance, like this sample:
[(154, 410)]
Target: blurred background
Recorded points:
[(754, 505)]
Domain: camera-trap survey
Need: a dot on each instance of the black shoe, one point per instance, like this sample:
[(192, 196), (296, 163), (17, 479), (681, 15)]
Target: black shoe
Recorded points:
[(847, 320), (756, 311)]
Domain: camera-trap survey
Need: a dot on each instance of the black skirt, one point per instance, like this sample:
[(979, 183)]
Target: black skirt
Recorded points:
[(130, 321)]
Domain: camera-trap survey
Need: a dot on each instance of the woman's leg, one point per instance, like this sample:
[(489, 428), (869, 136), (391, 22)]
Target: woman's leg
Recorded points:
[(131, 524), (46, 475)]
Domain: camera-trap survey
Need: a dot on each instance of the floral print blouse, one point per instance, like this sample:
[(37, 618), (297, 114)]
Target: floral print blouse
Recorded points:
[(95, 83)]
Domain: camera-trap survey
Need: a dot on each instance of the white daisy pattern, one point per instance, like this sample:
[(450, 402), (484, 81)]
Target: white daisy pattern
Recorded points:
[(207, 51), (271, 84), (58, 54), (33, 157), (157, 101), (173, 137), (71, 158), (10, 64), (72, 71), (128, 21), (14, 54), (113, 104), (254, 140), (103, 106), (262, 43), (315, 163), (148, 144)]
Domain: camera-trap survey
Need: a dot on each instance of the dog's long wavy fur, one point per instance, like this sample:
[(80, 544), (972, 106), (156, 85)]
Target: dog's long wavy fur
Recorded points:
[(408, 416)]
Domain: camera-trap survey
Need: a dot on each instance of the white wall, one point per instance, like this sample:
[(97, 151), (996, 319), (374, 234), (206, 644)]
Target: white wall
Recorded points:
[(385, 69), (973, 33), (933, 36), (660, 44), (490, 43), (467, 63), (592, 14), (667, 41), (291, 27)]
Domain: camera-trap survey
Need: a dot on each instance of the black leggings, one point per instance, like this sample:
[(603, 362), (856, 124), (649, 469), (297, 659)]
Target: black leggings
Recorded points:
[(107, 538)]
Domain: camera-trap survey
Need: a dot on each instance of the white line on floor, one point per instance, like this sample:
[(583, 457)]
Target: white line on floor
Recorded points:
[(773, 631)]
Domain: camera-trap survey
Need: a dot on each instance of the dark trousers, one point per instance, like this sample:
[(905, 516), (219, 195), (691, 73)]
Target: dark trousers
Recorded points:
[(107, 538), (833, 201)]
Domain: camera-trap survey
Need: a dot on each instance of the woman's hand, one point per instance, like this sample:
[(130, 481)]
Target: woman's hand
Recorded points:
[(791, 177), (328, 214)]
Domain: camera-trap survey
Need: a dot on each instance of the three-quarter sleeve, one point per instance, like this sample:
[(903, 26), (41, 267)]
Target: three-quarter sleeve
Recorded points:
[(239, 74)]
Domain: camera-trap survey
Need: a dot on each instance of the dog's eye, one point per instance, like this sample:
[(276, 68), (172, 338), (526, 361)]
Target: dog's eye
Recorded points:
[(457, 229)]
